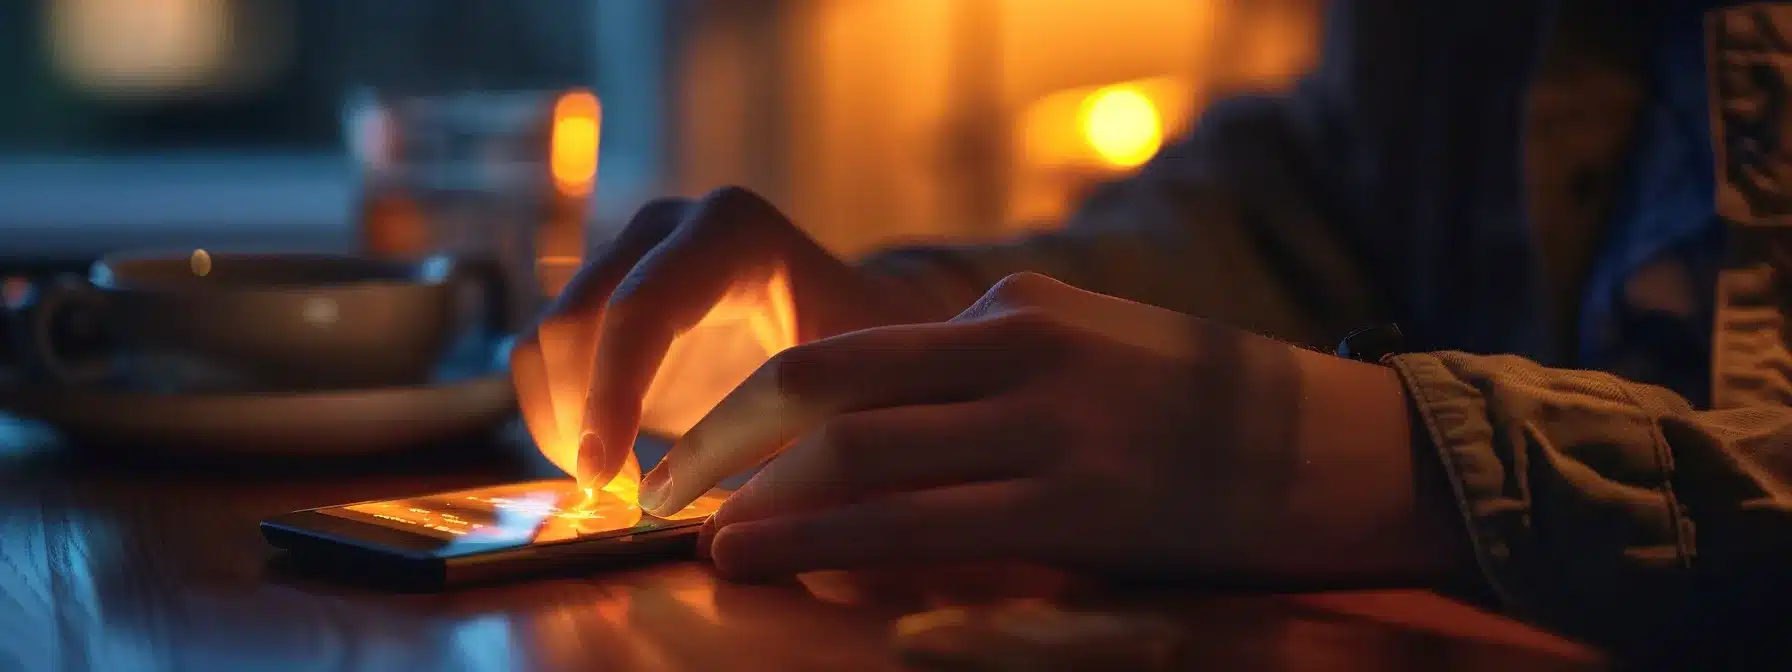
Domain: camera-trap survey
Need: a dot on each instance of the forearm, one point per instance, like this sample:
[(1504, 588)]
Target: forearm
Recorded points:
[(1370, 502)]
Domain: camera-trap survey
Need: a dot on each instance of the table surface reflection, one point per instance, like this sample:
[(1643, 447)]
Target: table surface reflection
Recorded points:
[(128, 567)]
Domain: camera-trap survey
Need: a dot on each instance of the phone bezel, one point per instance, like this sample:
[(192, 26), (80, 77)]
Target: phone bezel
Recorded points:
[(339, 555)]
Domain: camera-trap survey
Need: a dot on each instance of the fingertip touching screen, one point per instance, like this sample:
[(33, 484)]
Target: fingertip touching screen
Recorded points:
[(519, 514)]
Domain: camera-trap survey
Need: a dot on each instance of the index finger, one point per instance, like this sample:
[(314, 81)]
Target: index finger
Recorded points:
[(802, 387), (569, 327), (551, 364)]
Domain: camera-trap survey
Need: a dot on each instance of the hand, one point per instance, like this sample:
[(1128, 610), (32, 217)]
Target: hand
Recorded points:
[(582, 375), (1051, 425)]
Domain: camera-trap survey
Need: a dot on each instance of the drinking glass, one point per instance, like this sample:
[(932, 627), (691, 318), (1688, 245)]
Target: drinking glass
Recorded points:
[(496, 177)]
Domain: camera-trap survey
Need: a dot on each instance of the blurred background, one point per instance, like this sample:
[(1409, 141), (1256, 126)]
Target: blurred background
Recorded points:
[(175, 123)]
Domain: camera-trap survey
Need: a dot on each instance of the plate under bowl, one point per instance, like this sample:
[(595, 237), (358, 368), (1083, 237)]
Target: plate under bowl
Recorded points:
[(337, 423)]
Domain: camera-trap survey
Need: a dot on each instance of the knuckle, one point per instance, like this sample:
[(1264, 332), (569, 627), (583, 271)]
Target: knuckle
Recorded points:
[(1023, 289), (733, 196), (657, 217), (736, 208), (1013, 293), (649, 225), (662, 205), (622, 298), (652, 223)]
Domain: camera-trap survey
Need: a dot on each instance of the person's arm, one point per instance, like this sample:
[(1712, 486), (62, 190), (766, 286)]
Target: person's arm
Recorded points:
[(1611, 509)]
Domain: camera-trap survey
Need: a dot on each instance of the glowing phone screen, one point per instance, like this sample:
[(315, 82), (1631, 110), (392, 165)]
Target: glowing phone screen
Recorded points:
[(518, 514)]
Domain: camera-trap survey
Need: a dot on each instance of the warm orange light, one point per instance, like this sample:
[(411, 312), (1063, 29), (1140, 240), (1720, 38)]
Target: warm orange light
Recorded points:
[(573, 155), (1070, 137), (605, 512), (751, 322), (141, 46), (200, 262), (755, 320), (541, 511), (1122, 125)]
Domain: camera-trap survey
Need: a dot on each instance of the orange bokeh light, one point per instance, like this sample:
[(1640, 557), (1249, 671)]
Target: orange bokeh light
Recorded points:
[(1122, 125), (573, 154)]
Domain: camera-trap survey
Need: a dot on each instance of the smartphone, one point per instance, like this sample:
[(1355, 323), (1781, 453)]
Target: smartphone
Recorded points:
[(431, 542)]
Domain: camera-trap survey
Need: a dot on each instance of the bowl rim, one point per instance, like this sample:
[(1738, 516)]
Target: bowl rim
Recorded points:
[(109, 273)]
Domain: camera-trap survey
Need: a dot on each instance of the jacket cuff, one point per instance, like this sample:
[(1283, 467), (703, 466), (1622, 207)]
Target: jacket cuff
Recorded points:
[(1453, 415)]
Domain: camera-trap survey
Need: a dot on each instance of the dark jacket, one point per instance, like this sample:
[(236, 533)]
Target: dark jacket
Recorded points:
[(1417, 176)]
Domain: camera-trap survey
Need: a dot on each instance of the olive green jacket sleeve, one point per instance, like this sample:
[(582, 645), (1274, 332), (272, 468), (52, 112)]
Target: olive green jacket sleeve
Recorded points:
[(1609, 508)]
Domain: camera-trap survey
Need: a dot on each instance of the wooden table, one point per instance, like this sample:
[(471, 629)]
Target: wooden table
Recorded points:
[(127, 566)]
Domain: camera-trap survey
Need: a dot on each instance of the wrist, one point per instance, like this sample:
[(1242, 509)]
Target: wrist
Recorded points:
[(1370, 497)]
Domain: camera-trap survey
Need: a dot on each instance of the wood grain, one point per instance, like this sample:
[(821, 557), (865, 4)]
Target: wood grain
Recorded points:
[(148, 567)]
